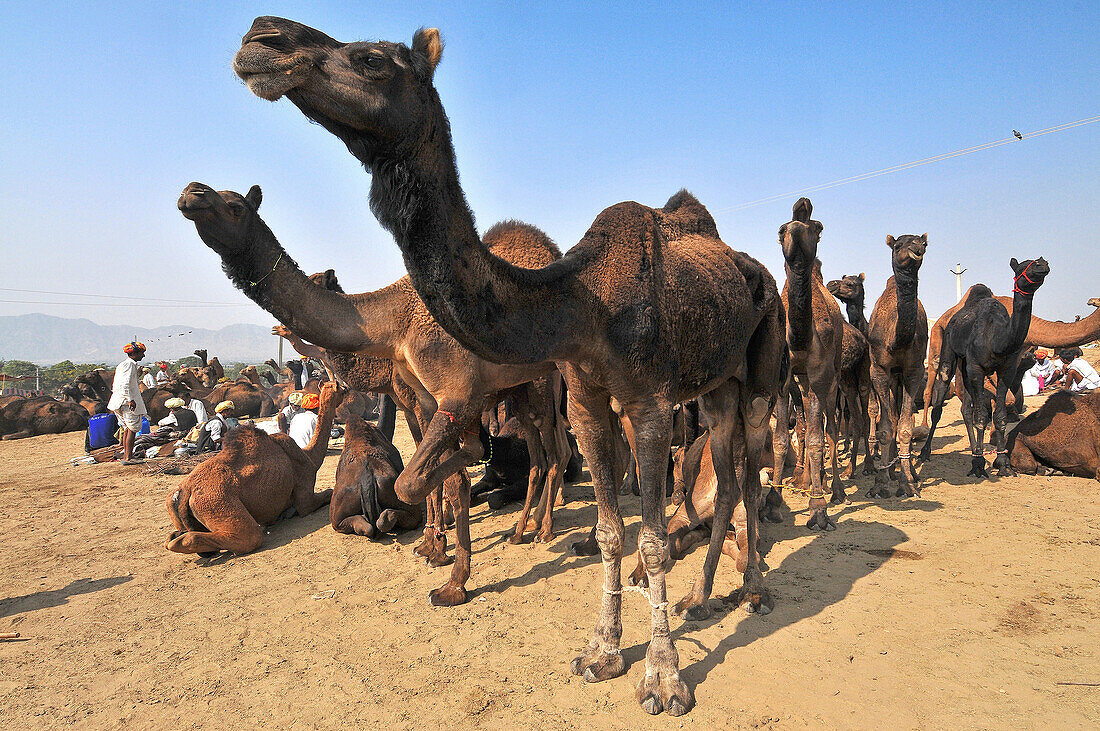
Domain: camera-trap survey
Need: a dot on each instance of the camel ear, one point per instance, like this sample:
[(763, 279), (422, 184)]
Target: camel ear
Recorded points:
[(861, 276), (428, 42), (1014, 264), (254, 196), (924, 238), (802, 210), (890, 241)]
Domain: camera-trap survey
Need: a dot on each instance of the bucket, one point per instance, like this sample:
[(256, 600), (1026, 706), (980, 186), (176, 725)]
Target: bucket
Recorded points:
[(101, 431), (144, 426)]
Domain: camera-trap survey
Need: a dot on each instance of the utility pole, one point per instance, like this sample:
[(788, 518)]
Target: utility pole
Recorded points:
[(958, 272)]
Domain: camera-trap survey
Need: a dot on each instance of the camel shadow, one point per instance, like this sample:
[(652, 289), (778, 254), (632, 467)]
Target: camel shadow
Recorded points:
[(799, 587), (57, 597)]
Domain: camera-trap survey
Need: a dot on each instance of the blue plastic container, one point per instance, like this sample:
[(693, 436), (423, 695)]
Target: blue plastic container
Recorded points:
[(101, 430), (144, 426)]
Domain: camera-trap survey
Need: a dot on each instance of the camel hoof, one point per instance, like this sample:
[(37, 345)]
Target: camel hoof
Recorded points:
[(587, 547), (596, 666), (878, 491), (448, 595), (756, 599), (544, 537), (662, 690), (692, 608), (514, 538), (821, 520), (839, 498), (207, 554)]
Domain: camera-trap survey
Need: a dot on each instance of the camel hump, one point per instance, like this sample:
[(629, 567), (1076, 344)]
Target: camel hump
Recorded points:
[(684, 215), (979, 292), (521, 243)]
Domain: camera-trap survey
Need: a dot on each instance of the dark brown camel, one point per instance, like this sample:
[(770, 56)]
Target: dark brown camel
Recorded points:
[(815, 336), (363, 502), (650, 308), (248, 398), (31, 417), (451, 383), (1061, 435), (1042, 333), (899, 340), (71, 392), (224, 503), (855, 375), (980, 340)]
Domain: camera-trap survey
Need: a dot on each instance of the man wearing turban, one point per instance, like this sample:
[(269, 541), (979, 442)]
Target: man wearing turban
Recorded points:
[(304, 423), (126, 400)]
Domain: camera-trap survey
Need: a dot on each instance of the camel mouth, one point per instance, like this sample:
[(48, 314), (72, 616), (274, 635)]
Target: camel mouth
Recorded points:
[(915, 256), (268, 73), (192, 204)]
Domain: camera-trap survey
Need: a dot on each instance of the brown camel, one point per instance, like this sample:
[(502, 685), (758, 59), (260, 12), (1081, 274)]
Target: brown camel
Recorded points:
[(224, 503), (651, 308), (1042, 333), (815, 336), (1061, 435), (899, 340), (248, 398), (30, 417), (201, 353), (363, 502), (70, 392), (855, 376), (451, 383)]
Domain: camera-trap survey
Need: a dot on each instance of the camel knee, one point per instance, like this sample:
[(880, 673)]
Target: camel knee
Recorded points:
[(610, 540), (409, 487), (654, 549)]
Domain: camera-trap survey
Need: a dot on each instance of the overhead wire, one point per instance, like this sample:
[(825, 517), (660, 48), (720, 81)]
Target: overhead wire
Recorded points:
[(110, 296), (915, 163)]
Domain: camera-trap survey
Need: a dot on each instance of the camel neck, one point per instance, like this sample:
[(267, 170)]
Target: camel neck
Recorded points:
[(799, 304), (1013, 339), (263, 270), (856, 317), (905, 283), (501, 312), (317, 448), (1064, 334)]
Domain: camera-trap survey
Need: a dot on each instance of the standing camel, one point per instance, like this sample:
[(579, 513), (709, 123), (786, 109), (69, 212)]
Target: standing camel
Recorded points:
[(898, 339), (450, 382), (980, 340), (855, 369), (815, 334), (650, 308)]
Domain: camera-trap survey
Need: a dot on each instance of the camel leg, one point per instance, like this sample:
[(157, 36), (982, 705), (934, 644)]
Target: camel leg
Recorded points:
[(1001, 463), (781, 439), (831, 427), (753, 591), (908, 486), (590, 415), (231, 528), (305, 499), (434, 545), (685, 530), (979, 409), (535, 477), (883, 397), (356, 525), (1022, 459), (814, 463), (392, 520), (556, 441), (726, 448), (453, 592), (661, 687)]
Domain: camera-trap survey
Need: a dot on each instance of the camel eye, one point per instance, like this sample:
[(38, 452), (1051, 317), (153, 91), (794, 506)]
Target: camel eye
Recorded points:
[(236, 208)]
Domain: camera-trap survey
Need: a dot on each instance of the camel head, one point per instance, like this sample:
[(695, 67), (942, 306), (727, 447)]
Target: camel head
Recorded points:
[(848, 288), (295, 367), (68, 391), (375, 95), (226, 220), (331, 396), (908, 252), (799, 237), (1029, 274), (201, 353), (1094, 302), (327, 279), (271, 362)]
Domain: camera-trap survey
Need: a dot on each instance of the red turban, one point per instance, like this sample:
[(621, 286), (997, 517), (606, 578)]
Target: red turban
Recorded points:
[(132, 346), (311, 401)]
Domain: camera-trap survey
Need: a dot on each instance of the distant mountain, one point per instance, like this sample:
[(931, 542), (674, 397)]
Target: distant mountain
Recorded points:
[(46, 340)]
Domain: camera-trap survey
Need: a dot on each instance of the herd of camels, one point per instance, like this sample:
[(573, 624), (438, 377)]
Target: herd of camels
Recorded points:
[(649, 311)]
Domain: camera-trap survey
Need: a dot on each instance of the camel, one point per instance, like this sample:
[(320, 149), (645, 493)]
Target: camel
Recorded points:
[(855, 373), (983, 339), (651, 308), (248, 398), (1042, 333), (363, 502), (815, 335), (71, 392), (1062, 435), (450, 383), (898, 339), (224, 502), (201, 353), (30, 417)]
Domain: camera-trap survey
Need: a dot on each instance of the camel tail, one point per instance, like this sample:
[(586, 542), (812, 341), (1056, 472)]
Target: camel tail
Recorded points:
[(181, 508), (368, 495)]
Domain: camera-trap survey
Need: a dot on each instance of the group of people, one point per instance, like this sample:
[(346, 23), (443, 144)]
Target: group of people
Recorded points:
[(186, 414), (149, 380), (1067, 367)]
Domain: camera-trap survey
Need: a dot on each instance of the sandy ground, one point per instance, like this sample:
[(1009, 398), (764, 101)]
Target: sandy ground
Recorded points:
[(970, 606)]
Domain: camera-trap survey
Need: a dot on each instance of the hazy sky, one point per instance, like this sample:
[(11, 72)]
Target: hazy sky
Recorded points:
[(110, 109)]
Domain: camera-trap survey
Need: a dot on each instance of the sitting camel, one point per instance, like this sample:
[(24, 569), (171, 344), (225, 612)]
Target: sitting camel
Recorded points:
[(982, 339), (364, 502), (224, 503), (1063, 435), (30, 417)]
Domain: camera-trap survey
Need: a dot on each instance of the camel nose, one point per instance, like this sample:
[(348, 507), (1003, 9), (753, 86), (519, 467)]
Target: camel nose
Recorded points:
[(193, 196)]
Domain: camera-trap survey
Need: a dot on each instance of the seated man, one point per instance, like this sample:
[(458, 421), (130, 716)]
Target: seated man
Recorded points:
[(180, 418), (162, 374), (147, 378), (289, 411), (215, 429), (1078, 374), (196, 406), (304, 424)]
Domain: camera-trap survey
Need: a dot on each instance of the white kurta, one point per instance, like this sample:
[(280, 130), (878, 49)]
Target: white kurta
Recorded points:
[(126, 388), (302, 427)]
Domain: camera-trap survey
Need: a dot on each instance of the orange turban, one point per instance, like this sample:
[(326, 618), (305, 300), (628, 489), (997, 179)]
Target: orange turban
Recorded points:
[(311, 401), (132, 346)]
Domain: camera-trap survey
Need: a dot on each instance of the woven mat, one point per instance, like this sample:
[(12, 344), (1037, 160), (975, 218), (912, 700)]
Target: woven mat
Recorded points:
[(176, 465)]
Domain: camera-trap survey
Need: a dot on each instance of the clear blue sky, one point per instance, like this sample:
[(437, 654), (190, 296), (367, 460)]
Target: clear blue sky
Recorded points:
[(110, 109)]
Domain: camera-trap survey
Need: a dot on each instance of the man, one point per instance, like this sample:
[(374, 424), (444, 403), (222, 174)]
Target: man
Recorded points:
[(1078, 374), (126, 400), (291, 410), (162, 374), (180, 418), (305, 423), (195, 405), (217, 427), (147, 378)]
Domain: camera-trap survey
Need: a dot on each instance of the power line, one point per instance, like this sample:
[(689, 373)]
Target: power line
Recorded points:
[(118, 304), (108, 296), (915, 163)]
